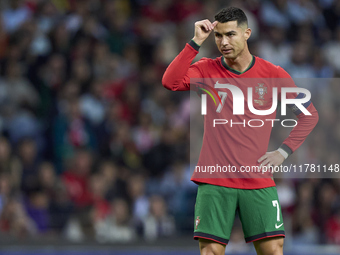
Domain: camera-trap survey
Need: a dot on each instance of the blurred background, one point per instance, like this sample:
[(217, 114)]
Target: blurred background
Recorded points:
[(93, 149)]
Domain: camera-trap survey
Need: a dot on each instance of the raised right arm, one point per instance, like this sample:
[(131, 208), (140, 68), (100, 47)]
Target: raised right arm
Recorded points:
[(177, 75)]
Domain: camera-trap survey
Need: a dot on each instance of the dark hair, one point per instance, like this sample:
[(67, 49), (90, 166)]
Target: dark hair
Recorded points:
[(231, 14)]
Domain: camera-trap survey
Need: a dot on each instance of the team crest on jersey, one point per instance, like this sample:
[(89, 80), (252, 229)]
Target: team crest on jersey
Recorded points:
[(197, 221), (261, 91)]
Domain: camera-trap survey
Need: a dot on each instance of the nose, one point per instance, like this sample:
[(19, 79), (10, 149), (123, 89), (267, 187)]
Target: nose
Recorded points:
[(224, 41)]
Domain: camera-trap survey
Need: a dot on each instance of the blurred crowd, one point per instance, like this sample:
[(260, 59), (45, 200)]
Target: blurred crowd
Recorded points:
[(93, 147)]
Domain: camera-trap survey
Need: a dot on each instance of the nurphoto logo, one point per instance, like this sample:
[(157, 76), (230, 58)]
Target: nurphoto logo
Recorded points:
[(238, 99), (298, 104)]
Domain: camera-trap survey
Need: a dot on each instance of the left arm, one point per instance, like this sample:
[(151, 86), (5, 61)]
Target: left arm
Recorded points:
[(297, 136)]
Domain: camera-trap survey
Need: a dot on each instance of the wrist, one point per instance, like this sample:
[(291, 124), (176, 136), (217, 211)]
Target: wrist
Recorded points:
[(283, 153), (199, 42), (194, 45), (285, 150)]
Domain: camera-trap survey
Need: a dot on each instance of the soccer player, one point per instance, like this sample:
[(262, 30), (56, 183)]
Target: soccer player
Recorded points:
[(219, 198)]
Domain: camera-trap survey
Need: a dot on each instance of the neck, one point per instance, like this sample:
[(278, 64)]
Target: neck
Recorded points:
[(241, 62)]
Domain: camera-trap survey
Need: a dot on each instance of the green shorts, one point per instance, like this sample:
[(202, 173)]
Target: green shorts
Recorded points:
[(216, 206)]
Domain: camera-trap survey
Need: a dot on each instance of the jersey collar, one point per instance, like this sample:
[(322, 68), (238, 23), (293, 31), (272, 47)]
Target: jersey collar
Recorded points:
[(235, 71)]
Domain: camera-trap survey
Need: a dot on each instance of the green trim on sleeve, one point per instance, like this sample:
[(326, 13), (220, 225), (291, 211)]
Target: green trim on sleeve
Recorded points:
[(193, 44)]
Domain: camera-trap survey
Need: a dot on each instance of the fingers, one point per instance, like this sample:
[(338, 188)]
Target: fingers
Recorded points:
[(268, 160), (265, 162), (267, 165), (206, 25), (262, 158)]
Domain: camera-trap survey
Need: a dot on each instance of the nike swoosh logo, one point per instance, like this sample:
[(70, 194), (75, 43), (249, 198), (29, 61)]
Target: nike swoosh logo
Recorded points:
[(278, 226)]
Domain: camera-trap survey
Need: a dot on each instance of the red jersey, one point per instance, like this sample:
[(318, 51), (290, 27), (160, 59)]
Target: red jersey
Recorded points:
[(237, 145)]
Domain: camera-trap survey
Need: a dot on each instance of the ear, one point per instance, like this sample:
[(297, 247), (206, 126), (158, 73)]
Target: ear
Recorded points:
[(247, 33)]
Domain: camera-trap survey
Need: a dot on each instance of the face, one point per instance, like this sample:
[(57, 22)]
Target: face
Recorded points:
[(231, 39)]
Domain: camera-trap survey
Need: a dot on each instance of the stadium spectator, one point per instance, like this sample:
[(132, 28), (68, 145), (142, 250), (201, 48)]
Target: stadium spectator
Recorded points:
[(10, 165), (93, 104), (77, 178), (117, 226), (36, 206), (275, 13), (333, 229), (15, 15), (276, 49), (14, 220), (71, 131), (158, 223), (139, 200), (30, 160)]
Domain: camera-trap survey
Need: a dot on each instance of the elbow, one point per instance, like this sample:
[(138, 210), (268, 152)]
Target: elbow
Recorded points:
[(167, 84), (316, 116)]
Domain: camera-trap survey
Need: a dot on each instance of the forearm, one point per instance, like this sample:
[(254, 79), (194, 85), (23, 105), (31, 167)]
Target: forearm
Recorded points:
[(176, 76), (299, 133)]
